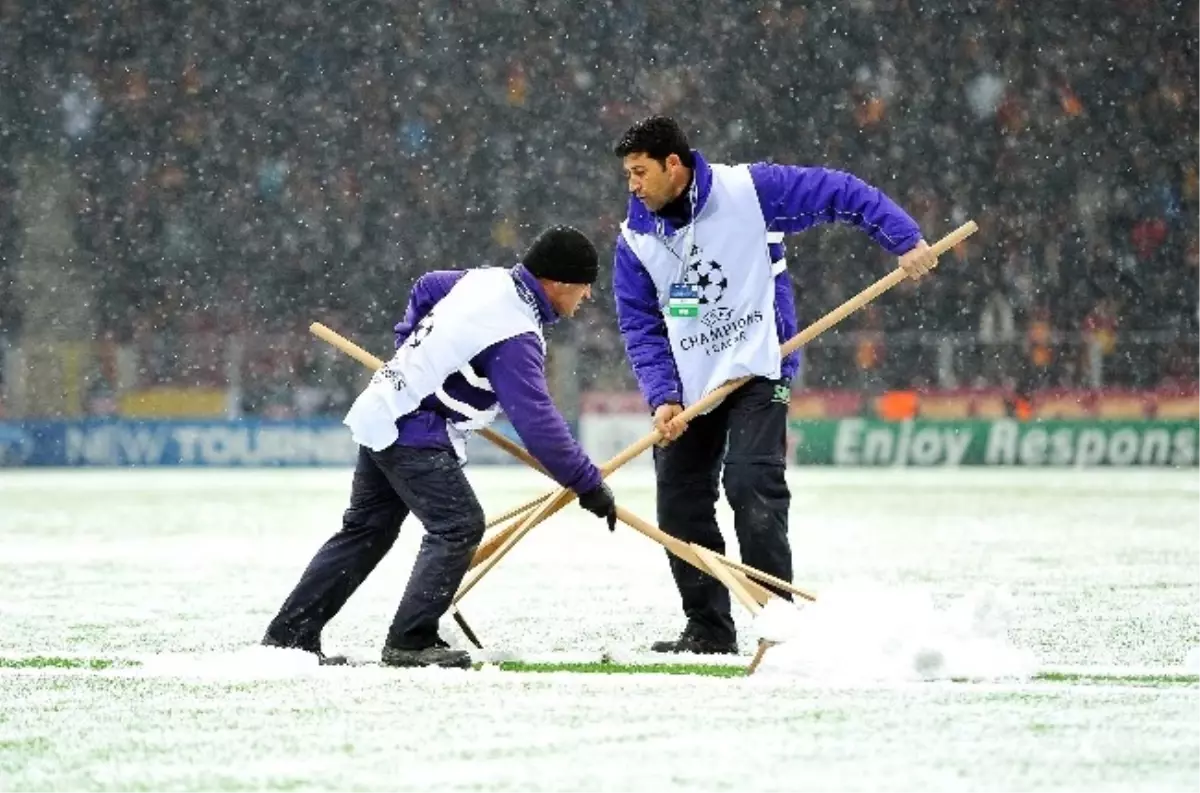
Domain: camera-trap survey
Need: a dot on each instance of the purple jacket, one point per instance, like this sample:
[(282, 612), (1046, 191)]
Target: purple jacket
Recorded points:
[(516, 368), (792, 199)]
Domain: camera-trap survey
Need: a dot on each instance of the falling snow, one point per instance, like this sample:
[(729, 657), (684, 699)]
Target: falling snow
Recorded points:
[(229, 169)]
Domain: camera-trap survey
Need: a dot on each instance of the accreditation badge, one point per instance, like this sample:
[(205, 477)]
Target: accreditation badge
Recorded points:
[(683, 300)]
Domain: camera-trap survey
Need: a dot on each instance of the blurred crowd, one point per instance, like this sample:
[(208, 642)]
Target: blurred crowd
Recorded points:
[(247, 166)]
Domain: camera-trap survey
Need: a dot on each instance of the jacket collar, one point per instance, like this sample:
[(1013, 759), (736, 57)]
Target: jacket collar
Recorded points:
[(643, 221), (531, 291)]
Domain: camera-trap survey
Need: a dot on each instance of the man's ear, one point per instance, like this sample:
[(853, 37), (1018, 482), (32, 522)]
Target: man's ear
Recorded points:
[(672, 161)]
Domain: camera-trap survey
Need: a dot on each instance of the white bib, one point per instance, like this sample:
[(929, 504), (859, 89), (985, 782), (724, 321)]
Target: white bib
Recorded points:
[(483, 308), (724, 257)]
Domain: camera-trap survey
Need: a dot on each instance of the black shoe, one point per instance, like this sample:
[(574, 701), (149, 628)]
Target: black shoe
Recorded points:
[(428, 656), (693, 643), (322, 658)]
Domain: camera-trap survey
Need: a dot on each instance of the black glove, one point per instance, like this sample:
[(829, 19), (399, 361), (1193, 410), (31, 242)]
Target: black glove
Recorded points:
[(600, 502)]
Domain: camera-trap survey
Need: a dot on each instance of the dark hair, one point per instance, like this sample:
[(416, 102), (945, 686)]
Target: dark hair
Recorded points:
[(658, 137)]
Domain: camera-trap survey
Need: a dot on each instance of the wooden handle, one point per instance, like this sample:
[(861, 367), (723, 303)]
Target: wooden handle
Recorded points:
[(345, 345), (505, 544), (723, 574), (684, 551), (873, 291)]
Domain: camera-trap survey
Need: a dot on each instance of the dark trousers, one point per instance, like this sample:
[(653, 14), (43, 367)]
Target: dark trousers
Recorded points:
[(748, 431), (387, 486)]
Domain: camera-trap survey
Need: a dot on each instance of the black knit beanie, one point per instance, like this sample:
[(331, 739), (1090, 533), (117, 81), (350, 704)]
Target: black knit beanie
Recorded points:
[(563, 254)]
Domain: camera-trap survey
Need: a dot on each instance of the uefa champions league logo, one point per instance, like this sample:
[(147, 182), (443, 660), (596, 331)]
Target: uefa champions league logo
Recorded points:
[(718, 315)]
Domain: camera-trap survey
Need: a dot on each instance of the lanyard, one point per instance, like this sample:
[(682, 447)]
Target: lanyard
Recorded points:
[(689, 236)]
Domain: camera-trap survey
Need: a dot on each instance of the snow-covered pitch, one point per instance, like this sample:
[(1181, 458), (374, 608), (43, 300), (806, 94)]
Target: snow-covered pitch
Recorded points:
[(956, 609)]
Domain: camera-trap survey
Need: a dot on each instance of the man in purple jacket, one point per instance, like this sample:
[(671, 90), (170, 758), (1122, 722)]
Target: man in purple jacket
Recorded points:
[(703, 297), (470, 345)]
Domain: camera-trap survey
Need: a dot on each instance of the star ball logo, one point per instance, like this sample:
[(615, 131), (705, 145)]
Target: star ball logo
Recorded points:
[(708, 279)]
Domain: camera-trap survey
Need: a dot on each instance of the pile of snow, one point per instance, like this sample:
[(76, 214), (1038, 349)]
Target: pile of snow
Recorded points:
[(1192, 662), (867, 633)]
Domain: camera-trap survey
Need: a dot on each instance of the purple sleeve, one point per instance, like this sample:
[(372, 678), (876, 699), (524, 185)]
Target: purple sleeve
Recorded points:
[(641, 323), (426, 292), (516, 368), (785, 313), (795, 198)]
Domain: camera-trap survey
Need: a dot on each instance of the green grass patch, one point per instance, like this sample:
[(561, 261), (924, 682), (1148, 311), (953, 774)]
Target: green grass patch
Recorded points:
[(33, 745), (608, 667), (51, 662), (1136, 680), (576, 667), (613, 668)]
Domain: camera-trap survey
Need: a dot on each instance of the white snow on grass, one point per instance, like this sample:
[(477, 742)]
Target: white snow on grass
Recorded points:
[(966, 571), (870, 633)]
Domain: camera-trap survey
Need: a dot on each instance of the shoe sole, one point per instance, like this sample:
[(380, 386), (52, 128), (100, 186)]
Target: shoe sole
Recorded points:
[(680, 651), (456, 665), (463, 664)]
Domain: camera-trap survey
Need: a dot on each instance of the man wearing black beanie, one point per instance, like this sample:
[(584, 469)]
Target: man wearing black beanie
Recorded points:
[(470, 344), (563, 255)]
